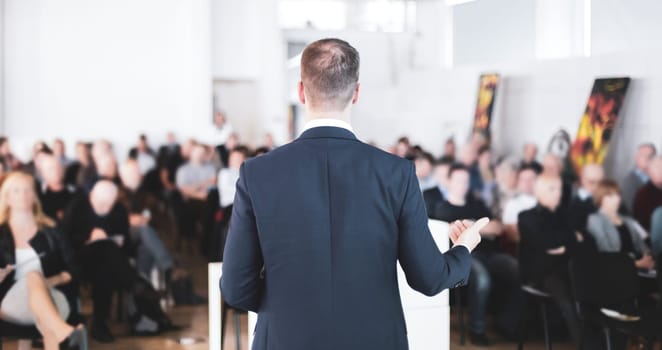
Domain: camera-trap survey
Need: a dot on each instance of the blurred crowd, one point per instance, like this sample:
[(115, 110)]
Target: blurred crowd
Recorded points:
[(112, 218)]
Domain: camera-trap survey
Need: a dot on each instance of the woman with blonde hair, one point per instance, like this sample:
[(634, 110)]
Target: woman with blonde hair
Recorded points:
[(34, 259)]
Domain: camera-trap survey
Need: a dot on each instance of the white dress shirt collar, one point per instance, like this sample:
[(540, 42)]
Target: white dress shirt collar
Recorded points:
[(315, 123)]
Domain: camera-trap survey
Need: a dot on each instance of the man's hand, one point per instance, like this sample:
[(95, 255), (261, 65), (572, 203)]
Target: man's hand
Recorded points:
[(557, 251), (466, 233), (97, 234), (645, 263)]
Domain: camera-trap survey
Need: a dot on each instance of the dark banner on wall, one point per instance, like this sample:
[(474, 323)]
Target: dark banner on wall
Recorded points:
[(486, 93), (597, 123)]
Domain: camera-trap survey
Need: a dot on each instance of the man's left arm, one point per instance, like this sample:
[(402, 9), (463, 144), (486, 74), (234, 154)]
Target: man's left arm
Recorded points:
[(241, 284)]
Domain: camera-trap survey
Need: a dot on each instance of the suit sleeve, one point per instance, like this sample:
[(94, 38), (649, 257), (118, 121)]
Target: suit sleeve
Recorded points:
[(241, 284), (426, 268)]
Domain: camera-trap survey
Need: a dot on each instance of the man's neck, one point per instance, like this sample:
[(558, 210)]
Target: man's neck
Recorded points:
[(344, 115), (56, 187)]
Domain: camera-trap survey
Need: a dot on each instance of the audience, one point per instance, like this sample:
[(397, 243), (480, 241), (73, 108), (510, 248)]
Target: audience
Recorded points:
[(529, 157), (9, 161), (81, 171), (502, 188), (638, 176), (144, 155), (423, 165), (34, 262), (469, 157), (223, 150), (194, 179), (119, 217), (59, 151), (492, 272), (547, 240), (582, 204), (449, 151), (524, 200), (54, 194), (436, 195), (614, 232), (171, 156), (220, 132), (98, 228), (552, 166), (649, 197)]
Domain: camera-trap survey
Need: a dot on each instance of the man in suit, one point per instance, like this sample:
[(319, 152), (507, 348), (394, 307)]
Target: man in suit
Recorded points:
[(319, 224), (638, 176)]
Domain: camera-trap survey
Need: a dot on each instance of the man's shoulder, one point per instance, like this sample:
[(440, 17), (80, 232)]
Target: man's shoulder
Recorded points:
[(292, 151)]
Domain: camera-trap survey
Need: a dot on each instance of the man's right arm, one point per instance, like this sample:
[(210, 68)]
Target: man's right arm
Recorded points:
[(426, 268)]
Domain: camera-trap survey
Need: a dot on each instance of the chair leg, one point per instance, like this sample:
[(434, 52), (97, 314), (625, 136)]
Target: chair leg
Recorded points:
[(522, 327), (237, 328), (582, 330), (545, 324), (460, 316), (607, 338)]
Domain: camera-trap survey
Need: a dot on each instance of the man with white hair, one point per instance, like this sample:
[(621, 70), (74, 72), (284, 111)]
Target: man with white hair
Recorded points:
[(98, 228)]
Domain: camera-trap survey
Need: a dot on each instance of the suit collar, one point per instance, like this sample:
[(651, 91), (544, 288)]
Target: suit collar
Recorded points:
[(328, 132)]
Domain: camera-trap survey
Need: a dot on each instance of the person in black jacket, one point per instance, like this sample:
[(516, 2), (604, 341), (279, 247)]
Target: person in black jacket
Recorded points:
[(34, 262), (547, 242), (98, 228)]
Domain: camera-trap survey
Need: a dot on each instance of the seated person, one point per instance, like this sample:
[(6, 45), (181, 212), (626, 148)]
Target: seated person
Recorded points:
[(34, 260), (227, 186), (649, 196), (98, 228), (194, 179), (547, 241), (582, 204), (55, 195), (488, 264), (436, 194), (149, 248), (106, 169), (524, 199), (143, 154), (638, 176), (614, 232), (423, 165), (529, 157), (503, 188)]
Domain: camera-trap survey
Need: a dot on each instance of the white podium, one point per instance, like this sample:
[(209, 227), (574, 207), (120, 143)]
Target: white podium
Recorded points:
[(428, 318)]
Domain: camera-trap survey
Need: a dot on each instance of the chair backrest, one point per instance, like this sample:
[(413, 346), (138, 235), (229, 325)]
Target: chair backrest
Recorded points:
[(604, 279)]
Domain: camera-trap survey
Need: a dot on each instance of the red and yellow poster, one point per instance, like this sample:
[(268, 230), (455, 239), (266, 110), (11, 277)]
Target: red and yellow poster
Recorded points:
[(486, 94), (597, 123)]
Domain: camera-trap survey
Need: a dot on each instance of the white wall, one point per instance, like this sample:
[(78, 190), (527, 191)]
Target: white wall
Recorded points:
[(84, 69), (625, 25), (494, 31), (534, 100), (249, 51)]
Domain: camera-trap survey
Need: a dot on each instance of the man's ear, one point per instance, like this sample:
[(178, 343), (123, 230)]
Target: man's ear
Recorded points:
[(356, 93), (302, 96)]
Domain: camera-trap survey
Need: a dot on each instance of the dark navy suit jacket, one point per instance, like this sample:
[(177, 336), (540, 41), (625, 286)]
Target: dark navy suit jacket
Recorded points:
[(317, 229)]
